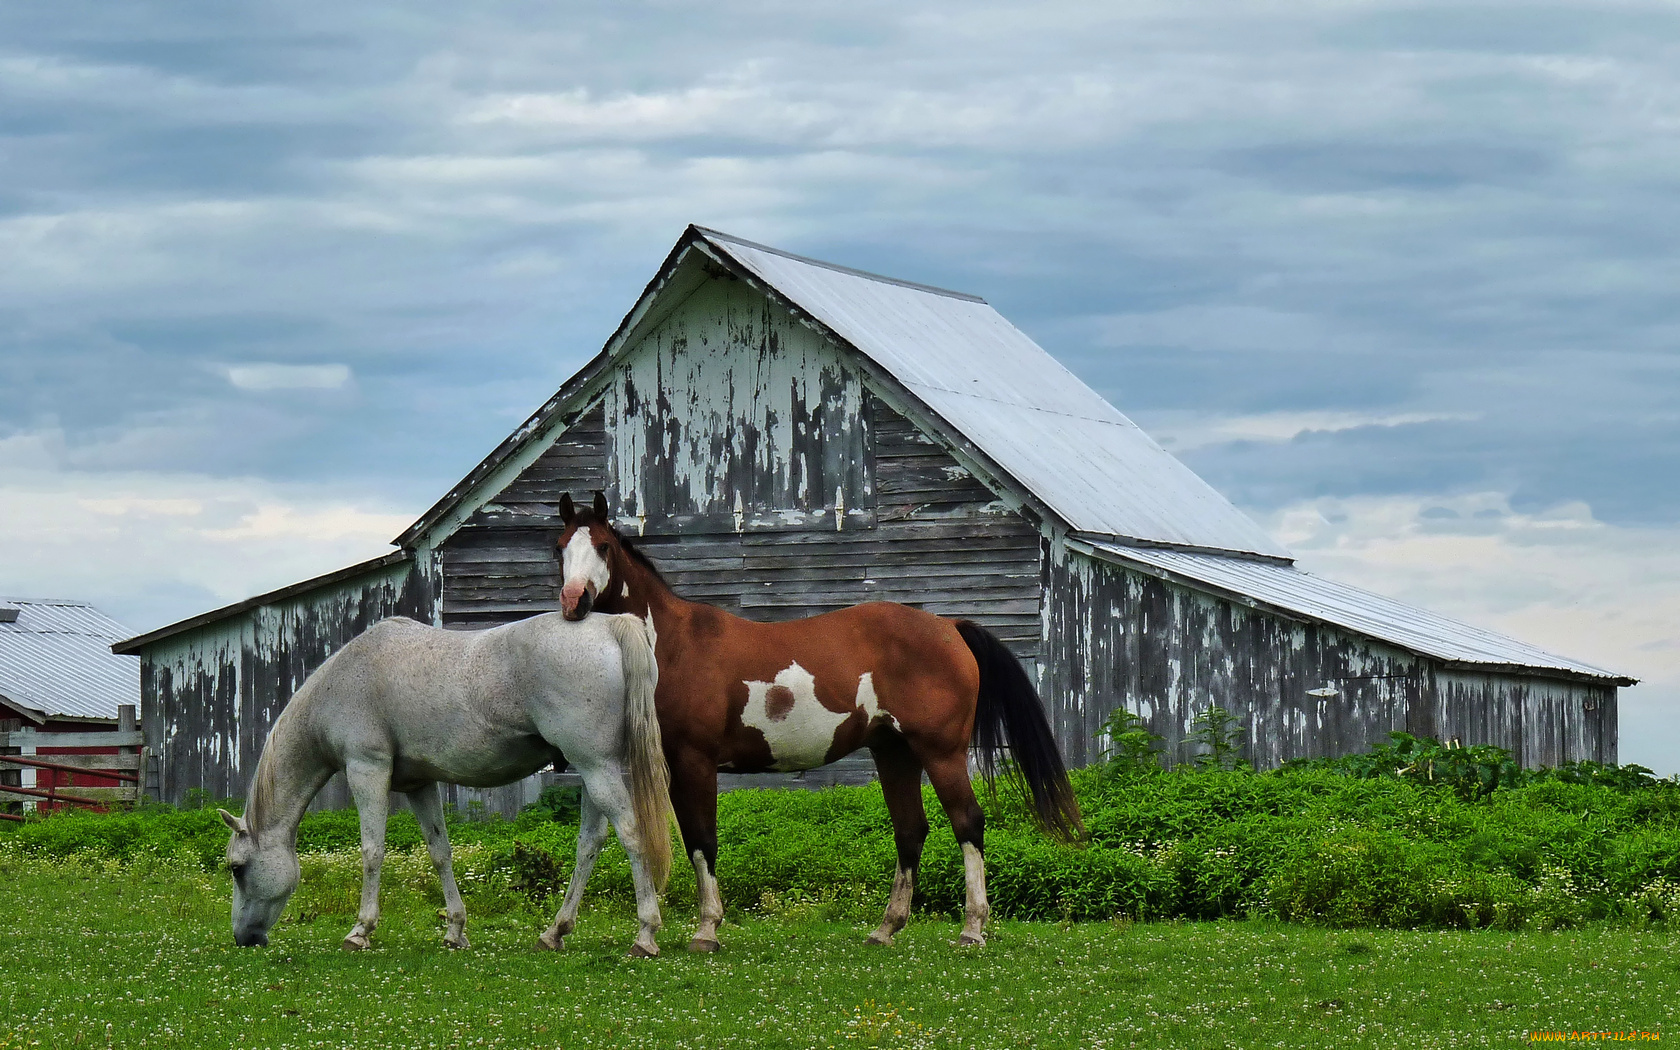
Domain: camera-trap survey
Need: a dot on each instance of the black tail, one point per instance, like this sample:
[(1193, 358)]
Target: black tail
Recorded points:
[(1009, 711)]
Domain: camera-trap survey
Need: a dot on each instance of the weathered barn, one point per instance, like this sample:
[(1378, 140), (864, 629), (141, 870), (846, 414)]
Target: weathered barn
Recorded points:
[(67, 704), (788, 436)]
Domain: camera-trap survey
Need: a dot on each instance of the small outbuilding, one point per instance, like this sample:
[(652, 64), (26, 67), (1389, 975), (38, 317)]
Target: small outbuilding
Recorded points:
[(67, 703), (787, 436)]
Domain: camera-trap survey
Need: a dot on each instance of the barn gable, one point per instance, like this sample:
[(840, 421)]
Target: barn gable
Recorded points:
[(1009, 413), (760, 469)]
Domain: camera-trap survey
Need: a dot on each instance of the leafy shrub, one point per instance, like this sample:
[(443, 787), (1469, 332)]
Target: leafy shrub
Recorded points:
[(1132, 748), (562, 804), (1220, 734), (1335, 843)]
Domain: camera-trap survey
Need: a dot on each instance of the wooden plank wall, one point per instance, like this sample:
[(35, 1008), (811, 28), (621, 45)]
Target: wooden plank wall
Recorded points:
[(1541, 721), (1167, 652), (501, 565), (940, 542), (209, 696), (730, 414), (1117, 637)]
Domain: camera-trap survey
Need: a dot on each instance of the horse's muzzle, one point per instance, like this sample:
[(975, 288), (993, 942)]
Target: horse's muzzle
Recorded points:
[(576, 607), (251, 940)]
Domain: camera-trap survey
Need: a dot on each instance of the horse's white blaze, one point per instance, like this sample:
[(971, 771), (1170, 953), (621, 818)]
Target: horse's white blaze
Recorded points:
[(798, 728), (581, 564)]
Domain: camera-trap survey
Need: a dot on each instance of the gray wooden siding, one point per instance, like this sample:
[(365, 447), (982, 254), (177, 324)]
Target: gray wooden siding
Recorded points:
[(922, 532), (1167, 652), (501, 565), (208, 697), (1116, 637), (940, 542), (1541, 721), (731, 415), (576, 462)]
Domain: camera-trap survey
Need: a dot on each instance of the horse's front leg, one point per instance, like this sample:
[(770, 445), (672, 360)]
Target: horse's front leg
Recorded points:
[(592, 832), (370, 786), (901, 783), (428, 810)]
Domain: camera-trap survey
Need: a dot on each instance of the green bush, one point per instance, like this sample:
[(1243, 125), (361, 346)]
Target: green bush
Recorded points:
[(1324, 843)]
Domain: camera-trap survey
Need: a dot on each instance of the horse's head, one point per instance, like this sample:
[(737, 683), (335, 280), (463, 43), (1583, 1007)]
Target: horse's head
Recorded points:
[(264, 876), (589, 553)]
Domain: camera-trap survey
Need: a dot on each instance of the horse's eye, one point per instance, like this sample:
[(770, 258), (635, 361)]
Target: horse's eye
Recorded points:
[(238, 871), (601, 549)]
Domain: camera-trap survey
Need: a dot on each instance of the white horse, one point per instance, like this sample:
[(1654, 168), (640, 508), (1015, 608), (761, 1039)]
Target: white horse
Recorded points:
[(405, 706)]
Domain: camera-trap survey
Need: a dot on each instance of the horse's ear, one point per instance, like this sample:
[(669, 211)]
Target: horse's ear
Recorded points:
[(567, 511), (601, 507), (235, 824)]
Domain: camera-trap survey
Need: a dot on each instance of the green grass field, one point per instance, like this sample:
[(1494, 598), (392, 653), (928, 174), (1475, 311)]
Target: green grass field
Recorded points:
[(107, 954)]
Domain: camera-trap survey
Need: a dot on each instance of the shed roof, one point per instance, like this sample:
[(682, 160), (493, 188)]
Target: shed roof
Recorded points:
[(1048, 432), (1031, 416), (1293, 592), (56, 661)]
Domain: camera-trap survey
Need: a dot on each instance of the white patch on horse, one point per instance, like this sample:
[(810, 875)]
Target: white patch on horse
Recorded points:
[(795, 724), (871, 706), (627, 590)]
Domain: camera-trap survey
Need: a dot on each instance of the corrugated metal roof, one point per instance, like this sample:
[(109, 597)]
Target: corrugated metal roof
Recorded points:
[(1291, 590), (1017, 404), (56, 660)]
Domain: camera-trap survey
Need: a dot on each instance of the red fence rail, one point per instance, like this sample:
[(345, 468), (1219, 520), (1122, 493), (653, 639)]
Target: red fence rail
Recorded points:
[(116, 757)]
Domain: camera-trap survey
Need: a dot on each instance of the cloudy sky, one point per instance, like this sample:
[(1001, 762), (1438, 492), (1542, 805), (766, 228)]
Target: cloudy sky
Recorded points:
[(1397, 278)]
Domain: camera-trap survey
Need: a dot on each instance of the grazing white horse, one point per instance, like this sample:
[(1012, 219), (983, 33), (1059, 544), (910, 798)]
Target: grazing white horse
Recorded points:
[(404, 706)]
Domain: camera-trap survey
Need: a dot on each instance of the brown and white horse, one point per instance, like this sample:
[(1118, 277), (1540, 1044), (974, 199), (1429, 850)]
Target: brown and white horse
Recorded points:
[(916, 689)]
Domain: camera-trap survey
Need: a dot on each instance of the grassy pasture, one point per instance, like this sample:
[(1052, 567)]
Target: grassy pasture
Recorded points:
[(106, 953)]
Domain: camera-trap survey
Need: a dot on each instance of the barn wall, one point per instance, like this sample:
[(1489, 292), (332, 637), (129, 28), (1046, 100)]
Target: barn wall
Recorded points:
[(1115, 637), (730, 415), (501, 565), (209, 696), (940, 542), (1541, 721)]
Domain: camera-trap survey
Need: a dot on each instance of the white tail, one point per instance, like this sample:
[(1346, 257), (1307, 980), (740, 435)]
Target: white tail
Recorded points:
[(650, 777)]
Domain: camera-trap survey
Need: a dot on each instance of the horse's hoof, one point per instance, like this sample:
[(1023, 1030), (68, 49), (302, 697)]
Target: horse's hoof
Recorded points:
[(551, 942), (971, 940), (703, 944), (881, 938), (355, 943), (639, 952), (458, 944)]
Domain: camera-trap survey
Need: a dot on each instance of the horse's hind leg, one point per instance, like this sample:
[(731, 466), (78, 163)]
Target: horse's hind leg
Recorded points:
[(606, 784), (370, 786), (428, 810), (592, 832), (901, 782), (694, 797), (949, 775)]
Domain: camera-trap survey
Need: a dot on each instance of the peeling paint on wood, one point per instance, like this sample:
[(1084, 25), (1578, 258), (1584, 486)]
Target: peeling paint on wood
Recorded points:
[(209, 696), (1115, 637), (732, 414)]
